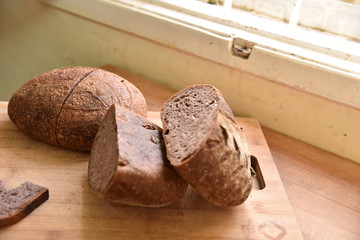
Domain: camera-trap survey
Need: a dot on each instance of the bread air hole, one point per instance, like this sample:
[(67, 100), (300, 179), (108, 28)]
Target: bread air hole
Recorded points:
[(212, 143), (148, 126), (122, 163), (184, 96), (224, 133), (155, 139)]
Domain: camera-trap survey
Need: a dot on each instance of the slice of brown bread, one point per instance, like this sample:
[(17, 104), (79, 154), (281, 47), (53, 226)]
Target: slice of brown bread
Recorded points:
[(64, 107), (205, 145), (17, 203), (128, 163)]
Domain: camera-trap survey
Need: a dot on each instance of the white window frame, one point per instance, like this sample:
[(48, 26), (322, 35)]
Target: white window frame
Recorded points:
[(333, 16), (217, 35)]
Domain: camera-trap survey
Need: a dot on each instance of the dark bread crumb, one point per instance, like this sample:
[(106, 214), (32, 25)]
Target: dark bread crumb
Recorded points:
[(17, 203), (128, 164), (189, 116)]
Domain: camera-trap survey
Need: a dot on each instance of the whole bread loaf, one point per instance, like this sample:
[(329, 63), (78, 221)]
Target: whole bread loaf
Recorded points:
[(64, 107), (128, 163), (205, 145)]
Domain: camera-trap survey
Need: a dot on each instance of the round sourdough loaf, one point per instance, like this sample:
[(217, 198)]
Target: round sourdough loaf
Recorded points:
[(65, 106), (128, 163), (205, 145)]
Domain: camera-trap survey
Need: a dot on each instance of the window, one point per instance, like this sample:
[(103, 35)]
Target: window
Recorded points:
[(245, 40), (333, 16), (331, 27)]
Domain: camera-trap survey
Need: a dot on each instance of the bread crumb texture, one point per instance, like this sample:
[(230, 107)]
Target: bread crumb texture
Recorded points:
[(17, 203)]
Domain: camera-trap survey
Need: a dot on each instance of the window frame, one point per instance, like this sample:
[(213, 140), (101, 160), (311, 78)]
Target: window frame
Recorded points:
[(274, 55), (333, 16)]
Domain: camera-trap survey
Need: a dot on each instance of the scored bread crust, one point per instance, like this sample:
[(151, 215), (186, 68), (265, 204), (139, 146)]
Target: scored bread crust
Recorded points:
[(219, 168), (65, 106), (128, 163)]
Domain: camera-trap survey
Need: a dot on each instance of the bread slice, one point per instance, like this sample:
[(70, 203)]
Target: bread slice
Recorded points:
[(128, 163), (17, 203), (205, 145)]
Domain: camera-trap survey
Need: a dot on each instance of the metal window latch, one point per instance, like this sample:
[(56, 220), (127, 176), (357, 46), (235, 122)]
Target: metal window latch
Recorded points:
[(241, 48)]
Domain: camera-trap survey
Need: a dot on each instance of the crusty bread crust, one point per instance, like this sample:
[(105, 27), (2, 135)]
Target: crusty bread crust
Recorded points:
[(128, 163), (65, 106)]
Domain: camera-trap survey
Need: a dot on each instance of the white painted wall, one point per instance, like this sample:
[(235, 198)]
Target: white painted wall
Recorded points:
[(35, 38)]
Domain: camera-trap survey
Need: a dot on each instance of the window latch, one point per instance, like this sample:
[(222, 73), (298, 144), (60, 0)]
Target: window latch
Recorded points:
[(241, 48)]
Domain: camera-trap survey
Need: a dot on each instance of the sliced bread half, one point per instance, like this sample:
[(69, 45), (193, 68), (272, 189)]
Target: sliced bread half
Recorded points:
[(205, 145)]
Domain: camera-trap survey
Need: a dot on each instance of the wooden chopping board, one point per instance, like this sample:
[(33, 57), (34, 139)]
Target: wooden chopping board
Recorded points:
[(72, 212)]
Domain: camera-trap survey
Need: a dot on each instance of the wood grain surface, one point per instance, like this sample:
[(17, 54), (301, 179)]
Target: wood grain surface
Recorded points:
[(72, 212), (323, 189)]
